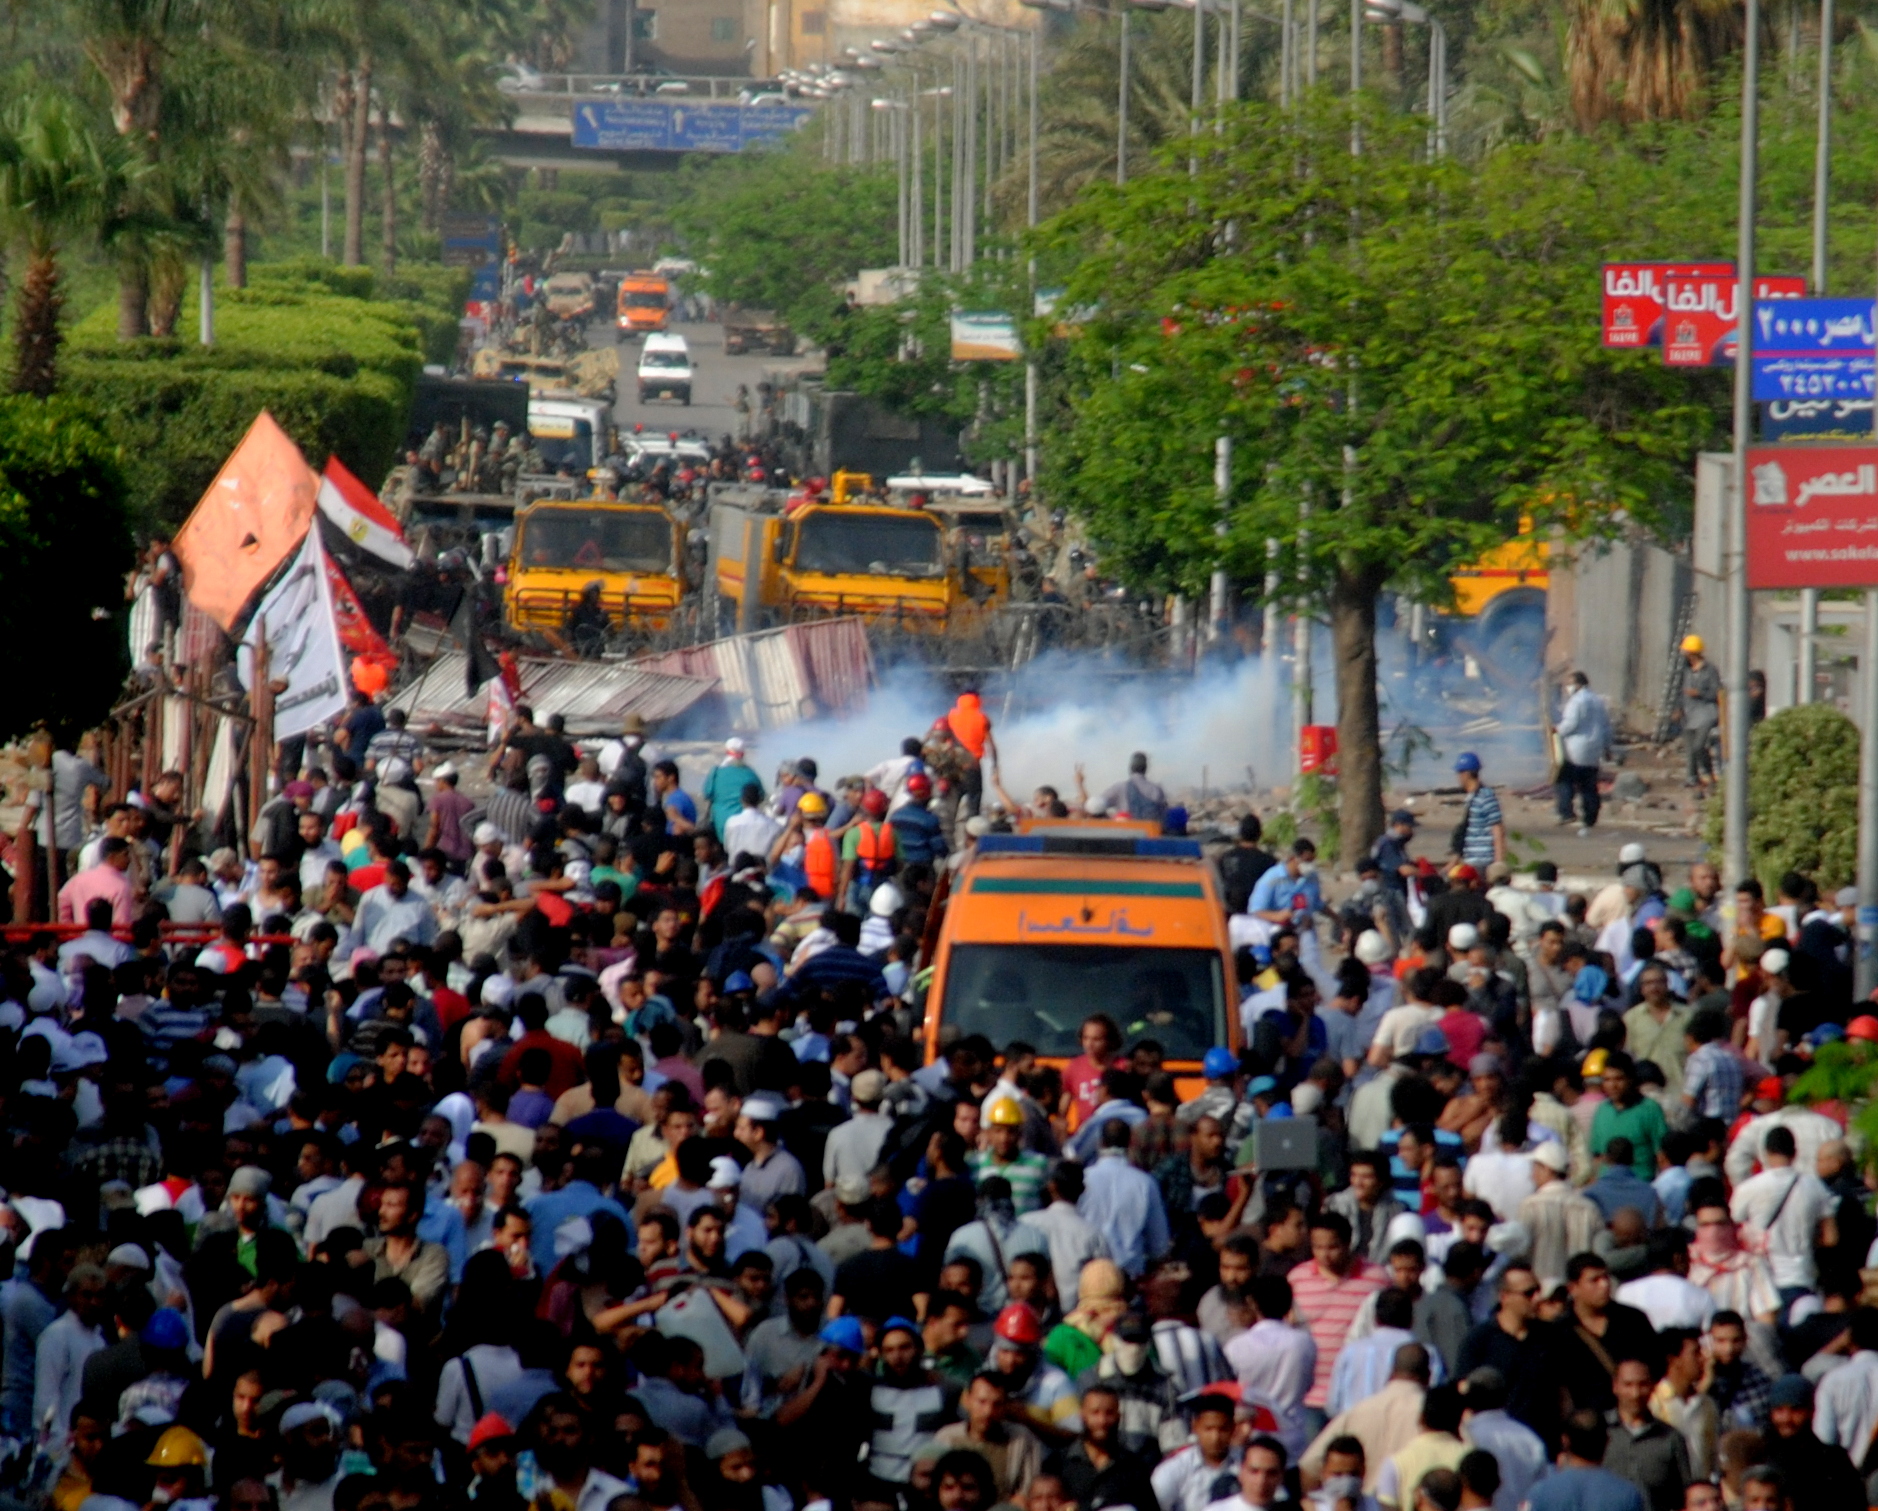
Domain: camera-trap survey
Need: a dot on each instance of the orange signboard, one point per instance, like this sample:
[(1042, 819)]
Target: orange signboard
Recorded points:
[(255, 513)]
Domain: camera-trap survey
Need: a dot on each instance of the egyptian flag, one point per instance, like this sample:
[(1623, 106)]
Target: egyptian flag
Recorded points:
[(359, 516)]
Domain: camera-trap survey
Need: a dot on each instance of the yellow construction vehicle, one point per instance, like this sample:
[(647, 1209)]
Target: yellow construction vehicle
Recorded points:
[(1498, 613), (634, 552), (775, 559)]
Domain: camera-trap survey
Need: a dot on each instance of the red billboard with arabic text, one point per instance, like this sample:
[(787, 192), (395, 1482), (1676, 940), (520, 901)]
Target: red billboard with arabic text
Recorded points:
[(1700, 315), (1688, 309), (1813, 516)]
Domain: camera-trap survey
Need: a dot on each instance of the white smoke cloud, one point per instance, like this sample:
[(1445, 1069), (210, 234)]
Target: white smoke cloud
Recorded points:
[(1064, 710)]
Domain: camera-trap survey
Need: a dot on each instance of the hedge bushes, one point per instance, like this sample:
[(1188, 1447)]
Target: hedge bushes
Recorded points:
[(1802, 798), (332, 352)]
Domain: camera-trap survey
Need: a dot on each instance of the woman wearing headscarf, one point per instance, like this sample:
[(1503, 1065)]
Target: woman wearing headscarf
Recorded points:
[(477, 1346), (1075, 1343)]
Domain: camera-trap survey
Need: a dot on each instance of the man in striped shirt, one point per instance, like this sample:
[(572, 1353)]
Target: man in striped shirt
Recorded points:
[(177, 1015), (1327, 1291), (1483, 837), (1006, 1156)]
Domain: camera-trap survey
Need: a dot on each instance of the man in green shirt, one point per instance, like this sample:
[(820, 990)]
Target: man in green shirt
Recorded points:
[(1627, 1113), (723, 788), (1006, 1156), (1654, 1028)]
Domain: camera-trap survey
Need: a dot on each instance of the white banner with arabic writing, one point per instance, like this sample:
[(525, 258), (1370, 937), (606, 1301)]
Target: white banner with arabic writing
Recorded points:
[(303, 646)]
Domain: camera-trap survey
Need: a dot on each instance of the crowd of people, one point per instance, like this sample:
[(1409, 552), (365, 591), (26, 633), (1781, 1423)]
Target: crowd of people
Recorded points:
[(578, 1147)]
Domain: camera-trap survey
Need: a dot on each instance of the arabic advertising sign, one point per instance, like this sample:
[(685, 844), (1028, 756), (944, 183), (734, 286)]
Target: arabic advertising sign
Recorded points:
[(1687, 308), (1812, 349), (1722, 347), (1813, 516), (677, 125), (1816, 420), (984, 337)]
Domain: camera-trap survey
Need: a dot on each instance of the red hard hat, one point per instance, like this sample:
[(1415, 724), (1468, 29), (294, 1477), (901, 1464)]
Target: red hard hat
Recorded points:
[(874, 803), (1017, 1323), (919, 785), (1865, 1027)]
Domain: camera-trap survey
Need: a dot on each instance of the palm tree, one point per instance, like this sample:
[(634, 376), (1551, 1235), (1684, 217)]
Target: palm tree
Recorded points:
[(1645, 60), (57, 180)]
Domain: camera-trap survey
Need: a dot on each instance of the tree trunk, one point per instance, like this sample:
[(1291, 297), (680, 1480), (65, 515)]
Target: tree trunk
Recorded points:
[(1392, 57), (235, 244), (36, 329), (168, 278), (359, 125), (133, 298), (433, 164), (1359, 720), (389, 209)]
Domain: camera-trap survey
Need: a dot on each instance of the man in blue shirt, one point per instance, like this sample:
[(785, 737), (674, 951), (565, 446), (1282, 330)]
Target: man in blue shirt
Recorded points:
[(596, 1165), (917, 832), (1289, 888), (1580, 1484)]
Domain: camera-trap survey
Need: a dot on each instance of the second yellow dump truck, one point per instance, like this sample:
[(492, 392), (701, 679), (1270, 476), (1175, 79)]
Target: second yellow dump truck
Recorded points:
[(634, 552), (775, 560)]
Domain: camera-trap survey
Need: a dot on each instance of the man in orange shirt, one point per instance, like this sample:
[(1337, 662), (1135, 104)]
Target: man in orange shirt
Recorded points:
[(971, 727)]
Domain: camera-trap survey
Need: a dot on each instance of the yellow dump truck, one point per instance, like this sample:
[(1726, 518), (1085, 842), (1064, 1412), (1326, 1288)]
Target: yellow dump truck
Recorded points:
[(635, 552), (776, 564), (1498, 614)]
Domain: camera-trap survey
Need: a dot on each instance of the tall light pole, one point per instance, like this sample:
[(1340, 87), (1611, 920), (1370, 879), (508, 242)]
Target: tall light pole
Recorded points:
[(1415, 15), (1822, 188), (1735, 773)]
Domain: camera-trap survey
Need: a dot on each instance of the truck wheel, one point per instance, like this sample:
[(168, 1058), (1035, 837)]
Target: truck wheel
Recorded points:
[(1509, 638)]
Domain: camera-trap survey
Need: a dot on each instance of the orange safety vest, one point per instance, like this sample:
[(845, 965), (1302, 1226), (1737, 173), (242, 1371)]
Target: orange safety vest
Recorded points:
[(874, 847), (819, 860), (969, 725)]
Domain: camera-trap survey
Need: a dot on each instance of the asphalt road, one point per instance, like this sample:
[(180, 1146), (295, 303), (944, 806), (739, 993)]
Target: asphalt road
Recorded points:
[(713, 385)]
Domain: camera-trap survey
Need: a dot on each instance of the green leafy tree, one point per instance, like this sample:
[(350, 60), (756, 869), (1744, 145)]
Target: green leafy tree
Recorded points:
[(782, 230), (65, 546), (1404, 353)]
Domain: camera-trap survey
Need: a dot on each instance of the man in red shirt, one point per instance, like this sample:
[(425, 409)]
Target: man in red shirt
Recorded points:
[(566, 1069), (1327, 1291), (1101, 1040)]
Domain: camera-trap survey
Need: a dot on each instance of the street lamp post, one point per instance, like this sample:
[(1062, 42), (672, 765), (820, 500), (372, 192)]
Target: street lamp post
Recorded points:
[(1415, 15), (1822, 186), (1735, 773)]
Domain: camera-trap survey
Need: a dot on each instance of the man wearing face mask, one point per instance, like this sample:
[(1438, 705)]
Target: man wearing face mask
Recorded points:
[(1290, 888), (1151, 1421), (309, 1464)]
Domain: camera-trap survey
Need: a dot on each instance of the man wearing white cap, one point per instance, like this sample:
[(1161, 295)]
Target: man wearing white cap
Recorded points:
[(773, 1171), (744, 1229), (1561, 1220), (723, 787)]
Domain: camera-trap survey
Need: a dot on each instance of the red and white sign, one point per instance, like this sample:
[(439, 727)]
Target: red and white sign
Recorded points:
[(1813, 516), (1686, 308), (1701, 316)]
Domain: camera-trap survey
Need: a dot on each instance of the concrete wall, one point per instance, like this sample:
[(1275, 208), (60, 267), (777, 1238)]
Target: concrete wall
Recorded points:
[(1612, 613)]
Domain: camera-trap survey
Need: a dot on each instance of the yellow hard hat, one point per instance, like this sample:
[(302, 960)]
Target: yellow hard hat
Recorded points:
[(1005, 1113), (1693, 645), (179, 1448), (812, 805), (1594, 1063)]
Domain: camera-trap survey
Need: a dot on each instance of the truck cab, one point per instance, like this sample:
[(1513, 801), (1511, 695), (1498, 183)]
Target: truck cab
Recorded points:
[(644, 304), (636, 552), (784, 564)]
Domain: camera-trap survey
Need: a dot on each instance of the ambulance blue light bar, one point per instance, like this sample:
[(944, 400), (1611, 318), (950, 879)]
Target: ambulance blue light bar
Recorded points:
[(1090, 842)]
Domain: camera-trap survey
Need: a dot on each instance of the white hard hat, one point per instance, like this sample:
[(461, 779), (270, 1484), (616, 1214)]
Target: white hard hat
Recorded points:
[(886, 901), (1463, 936), (1630, 854)]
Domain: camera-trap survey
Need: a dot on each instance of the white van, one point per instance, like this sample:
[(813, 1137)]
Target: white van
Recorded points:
[(665, 368)]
